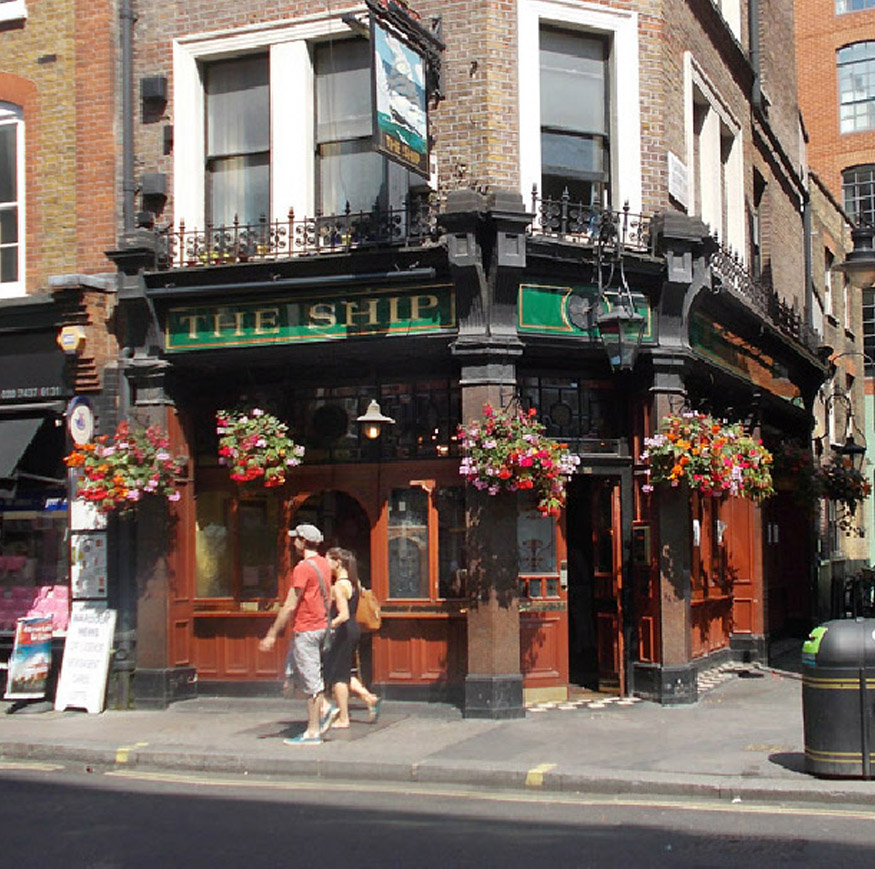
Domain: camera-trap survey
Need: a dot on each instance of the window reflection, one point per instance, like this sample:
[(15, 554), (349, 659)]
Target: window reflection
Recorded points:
[(536, 539), (452, 557), (408, 543)]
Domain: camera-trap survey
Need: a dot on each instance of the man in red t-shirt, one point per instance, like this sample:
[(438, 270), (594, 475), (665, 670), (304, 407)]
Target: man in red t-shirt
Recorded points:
[(306, 602)]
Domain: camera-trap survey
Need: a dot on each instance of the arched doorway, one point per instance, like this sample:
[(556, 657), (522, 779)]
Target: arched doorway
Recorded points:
[(343, 522)]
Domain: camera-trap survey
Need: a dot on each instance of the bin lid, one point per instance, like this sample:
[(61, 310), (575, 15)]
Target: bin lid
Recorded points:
[(841, 643)]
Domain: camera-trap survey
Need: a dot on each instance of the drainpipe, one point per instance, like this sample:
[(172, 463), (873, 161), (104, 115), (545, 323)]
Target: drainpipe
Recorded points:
[(753, 28), (809, 278), (129, 190)]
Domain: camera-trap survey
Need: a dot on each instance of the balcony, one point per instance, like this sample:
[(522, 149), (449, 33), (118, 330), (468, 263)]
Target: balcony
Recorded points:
[(589, 225), (728, 272), (414, 225)]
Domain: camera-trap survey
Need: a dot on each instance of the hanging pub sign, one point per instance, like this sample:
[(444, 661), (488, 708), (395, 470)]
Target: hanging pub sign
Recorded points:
[(400, 99)]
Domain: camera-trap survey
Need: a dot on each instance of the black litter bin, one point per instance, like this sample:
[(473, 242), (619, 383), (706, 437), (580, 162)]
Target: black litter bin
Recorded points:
[(838, 693)]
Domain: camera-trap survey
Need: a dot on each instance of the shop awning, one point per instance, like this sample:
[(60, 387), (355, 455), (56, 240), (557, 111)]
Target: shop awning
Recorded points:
[(15, 436)]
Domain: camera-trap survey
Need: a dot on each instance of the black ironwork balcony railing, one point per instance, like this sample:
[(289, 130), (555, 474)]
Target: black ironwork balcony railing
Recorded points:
[(731, 273), (589, 224), (414, 225)]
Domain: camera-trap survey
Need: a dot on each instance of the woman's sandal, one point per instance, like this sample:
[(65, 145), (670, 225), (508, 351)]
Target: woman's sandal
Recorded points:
[(374, 711)]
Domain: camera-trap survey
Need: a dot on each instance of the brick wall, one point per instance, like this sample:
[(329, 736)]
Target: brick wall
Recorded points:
[(69, 198), (819, 34)]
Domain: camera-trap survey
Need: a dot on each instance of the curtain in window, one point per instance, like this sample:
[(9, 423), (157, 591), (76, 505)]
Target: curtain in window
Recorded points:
[(350, 172), (238, 140)]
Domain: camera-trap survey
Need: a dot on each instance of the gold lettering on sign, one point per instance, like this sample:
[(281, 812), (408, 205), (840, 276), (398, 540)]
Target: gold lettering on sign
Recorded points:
[(394, 317), (191, 319), (421, 303), (225, 322), (370, 313), (321, 314), (266, 321)]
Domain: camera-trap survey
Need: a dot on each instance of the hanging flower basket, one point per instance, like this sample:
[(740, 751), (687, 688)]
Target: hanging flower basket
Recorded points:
[(119, 471), (507, 451), (714, 457), (255, 445), (841, 482), (795, 470)]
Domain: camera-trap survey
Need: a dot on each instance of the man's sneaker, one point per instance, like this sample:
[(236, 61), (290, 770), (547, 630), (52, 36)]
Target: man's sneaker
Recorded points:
[(303, 739), (328, 718)]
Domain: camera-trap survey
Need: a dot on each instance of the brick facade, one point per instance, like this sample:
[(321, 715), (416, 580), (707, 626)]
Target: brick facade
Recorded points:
[(819, 35)]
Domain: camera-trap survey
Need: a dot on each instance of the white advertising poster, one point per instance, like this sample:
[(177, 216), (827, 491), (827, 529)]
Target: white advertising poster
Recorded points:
[(85, 665), (88, 564)]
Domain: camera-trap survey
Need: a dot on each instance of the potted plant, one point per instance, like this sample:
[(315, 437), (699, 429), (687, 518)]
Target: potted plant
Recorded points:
[(256, 445), (118, 471), (507, 451), (713, 456)]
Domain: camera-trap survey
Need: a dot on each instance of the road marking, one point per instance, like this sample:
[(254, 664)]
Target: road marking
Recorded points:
[(121, 753), (426, 790), (32, 765), (535, 776)]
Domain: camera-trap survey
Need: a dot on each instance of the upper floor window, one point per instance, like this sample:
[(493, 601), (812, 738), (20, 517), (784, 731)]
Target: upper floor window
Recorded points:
[(275, 120), (579, 83), (869, 330), (575, 153), (714, 151), (853, 5), (11, 197), (350, 173), (856, 72), (858, 186), (238, 140)]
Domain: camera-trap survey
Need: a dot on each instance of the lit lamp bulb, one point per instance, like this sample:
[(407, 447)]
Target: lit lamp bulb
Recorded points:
[(372, 421)]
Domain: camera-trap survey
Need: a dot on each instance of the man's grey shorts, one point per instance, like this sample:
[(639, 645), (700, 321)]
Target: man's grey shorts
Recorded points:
[(308, 661)]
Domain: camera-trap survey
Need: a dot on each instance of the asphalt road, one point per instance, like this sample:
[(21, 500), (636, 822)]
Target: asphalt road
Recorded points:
[(56, 816)]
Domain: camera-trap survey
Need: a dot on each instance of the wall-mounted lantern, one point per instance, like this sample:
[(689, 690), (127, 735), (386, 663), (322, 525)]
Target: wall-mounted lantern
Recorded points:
[(373, 420)]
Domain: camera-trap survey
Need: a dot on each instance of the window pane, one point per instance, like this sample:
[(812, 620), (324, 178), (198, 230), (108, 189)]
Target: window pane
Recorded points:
[(343, 90), (8, 264), (350, 172), (573, 156), (8, 182), (214, 575), (257, 526), (452, 558), (572, 82), (408, 543), (238, 106), (536, 540), (8, 225), (239, 186), (856, 74)]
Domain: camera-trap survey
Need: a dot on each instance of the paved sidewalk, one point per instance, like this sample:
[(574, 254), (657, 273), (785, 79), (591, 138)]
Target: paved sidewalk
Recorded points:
[(742, 740)]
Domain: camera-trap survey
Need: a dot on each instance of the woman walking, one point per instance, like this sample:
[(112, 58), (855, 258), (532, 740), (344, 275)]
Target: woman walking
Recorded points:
[(346, 591)]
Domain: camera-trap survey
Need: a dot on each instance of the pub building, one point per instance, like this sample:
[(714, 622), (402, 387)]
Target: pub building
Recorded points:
[(628, 591), (377, 327)]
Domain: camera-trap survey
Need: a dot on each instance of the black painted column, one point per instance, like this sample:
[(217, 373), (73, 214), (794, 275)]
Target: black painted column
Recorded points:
[(486, 240)]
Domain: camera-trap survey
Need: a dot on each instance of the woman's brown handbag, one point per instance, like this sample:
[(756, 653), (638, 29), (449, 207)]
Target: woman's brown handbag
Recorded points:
[(367, 613)]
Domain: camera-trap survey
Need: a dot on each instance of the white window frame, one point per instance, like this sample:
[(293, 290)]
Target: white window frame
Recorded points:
[(731, 12), (711, 195), (13, 114), (621, 28), (292, 178), (13, 10)]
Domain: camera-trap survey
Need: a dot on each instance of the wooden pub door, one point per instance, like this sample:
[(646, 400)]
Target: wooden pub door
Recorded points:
[(595, 629)]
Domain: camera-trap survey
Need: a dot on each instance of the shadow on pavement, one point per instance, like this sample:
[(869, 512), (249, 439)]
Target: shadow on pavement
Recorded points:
[(791, 760)]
